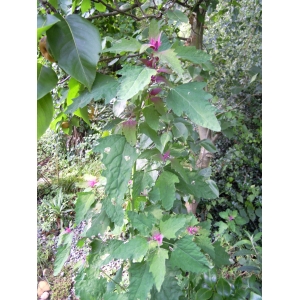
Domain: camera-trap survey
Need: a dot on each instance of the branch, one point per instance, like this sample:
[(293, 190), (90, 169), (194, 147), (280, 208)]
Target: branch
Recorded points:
[(119, 56), (117, 11), (47, 5)]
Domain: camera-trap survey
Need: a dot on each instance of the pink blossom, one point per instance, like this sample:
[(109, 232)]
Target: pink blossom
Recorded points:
[(165, 155), (130, 182), (68, 230), (158, 237), (155, 42), (230, 218), (192, 230), (92, 183), (155, 91)]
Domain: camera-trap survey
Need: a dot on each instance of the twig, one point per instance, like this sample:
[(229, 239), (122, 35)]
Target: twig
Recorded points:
[(114, 281)]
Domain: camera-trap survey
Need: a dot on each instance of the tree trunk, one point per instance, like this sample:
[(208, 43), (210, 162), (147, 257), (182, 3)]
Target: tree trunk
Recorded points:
[(205, 156)]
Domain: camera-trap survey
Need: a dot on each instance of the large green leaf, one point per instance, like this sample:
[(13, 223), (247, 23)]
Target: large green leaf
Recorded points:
[(104, 87), (124, 45), (187, 256), (44, 114), (193, 100), (46, 80), (76, 45), (177, 16), (221, 256), (192, 54), (170, 58), (100, 222), (141, 281), (44, 23), (205, 244), (141, 181), (170, 290), (203, 294), (170, 226), (158, 266), (151, 116), (142, 222), (118, 157), (82, 205), (198, 186), (88, 286), (223, 287), (166, 185), (133, 249), (63, 251), (133, 80)]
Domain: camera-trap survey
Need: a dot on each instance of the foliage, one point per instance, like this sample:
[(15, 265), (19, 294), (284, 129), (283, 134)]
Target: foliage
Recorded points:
[(130, 59)]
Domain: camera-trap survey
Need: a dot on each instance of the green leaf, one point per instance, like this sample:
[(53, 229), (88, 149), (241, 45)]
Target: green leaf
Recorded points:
[(192, 54), (141, 281), (177, 15), (198, 186), (62, 254), (193, 100), (76, 45), (141, 181), (179, 130), (152, 134), (216, 297), (89, 287), (114, 296), (135, 248), (254, 296), (100, 7), (142, 222), (170, 290), (176, 166), (54, 3), (83, 203), (44, 114), (85, 5), (118, 157), (44, 23), (221, 256), (166, 185), (124, 45), (158, 266), (151, 116), (100, 222), (46, 80), (173, 224), (208, 145), (129, 131), (102, 252), (210, 277), (169, 57), (104, 87), (112, 284), (203, 294), (205, 244), (188, 257), (153, 29), (223, 287), (133, 80)]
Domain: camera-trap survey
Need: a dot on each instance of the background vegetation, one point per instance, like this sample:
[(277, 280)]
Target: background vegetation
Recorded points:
[(226, 224)]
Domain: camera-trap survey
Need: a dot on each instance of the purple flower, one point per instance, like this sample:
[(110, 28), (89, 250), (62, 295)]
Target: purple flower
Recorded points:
[(192, 230), (165, 155), (130, 182), (92, 183), (155, 91), (68, 230), (155, 42), (230, 218), (157, 237)]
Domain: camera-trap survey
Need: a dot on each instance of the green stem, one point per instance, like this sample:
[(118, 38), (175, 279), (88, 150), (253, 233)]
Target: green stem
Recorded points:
[(113, 281)]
